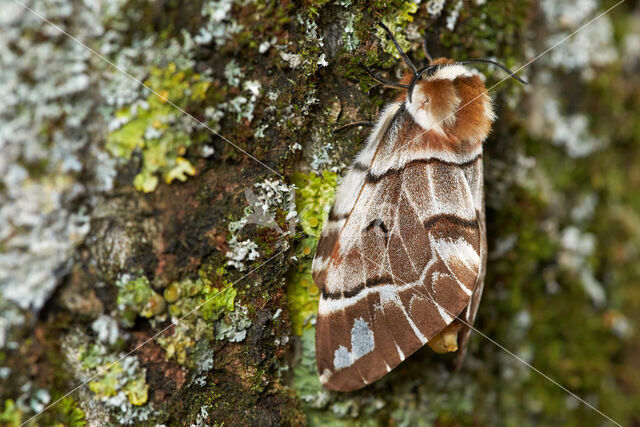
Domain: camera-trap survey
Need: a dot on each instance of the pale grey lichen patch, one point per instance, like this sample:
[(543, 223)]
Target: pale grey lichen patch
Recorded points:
[(11, 317), (452, 19), (219, 25), (243, 105), (203, 358), (577, 247), (294, 60), (201, 418), (349, 38), (48, 113), (570, 131), (434, 7), (592, 46), (264, 201), (233, 73), (241, 251), (106, 329), (321, 156), (567, 14), (234, 325)]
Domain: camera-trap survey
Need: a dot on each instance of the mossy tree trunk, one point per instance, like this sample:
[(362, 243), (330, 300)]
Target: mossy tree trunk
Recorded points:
[(185, 215)]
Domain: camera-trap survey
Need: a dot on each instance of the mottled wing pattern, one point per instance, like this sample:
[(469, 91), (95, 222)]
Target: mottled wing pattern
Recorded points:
[(401, 253)]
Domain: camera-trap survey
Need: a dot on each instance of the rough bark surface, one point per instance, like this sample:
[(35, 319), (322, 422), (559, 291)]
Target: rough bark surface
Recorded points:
[(151, 259)]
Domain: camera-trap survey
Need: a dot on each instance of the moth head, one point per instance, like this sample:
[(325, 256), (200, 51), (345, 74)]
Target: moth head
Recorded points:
[(447, 97)]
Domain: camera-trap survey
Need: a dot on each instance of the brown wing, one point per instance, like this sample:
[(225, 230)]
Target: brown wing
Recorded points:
[(401, 263)]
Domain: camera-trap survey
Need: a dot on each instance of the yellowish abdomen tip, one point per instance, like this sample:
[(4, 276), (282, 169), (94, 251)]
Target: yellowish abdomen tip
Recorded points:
[(445, 342)]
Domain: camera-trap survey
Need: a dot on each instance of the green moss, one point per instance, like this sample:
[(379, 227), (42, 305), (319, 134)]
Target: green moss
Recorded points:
[(302, 296), (491, 29), (11, 415), (73, 415), (65, 413), (158, 130)]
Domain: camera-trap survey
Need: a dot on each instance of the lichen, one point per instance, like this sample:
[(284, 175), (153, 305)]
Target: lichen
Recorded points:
[(136, 297), (314, 195), (117, 380), (396, 19), (50, 160), (204, 305), (156, 128), (270, 206), (11, 414)]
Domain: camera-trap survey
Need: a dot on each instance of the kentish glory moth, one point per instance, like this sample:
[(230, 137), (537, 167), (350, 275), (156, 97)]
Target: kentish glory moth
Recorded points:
[(401, 258)]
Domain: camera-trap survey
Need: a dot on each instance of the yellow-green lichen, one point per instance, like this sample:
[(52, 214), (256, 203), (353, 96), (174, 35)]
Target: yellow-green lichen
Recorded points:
[(397, 21), (302, 295), (158, 129), (314, 195), (137, 297), (72, 414), (206, 304), (121, 376)]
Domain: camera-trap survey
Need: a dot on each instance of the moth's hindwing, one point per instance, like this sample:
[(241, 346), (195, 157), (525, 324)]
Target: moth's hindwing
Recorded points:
[(401, 253)]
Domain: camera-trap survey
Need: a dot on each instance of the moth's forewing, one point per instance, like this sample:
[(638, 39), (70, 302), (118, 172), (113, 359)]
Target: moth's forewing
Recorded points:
[(403, 250)]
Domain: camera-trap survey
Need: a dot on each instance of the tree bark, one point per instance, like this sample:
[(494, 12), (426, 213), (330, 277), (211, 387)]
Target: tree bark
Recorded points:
[(156, 240)]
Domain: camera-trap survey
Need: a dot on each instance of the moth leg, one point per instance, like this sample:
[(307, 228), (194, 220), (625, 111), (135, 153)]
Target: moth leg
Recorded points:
[(380, 80), (349, 125), (446, 341)]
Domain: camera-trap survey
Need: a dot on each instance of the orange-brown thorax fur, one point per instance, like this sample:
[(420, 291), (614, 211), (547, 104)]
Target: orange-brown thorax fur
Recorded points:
[(460, 107)]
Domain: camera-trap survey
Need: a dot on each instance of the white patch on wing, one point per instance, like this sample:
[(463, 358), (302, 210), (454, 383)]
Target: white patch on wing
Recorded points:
[(456, 251), (366, 155), (362, 343), (361, 339), (400, 353), (348, 192), (319, 264), (342, 358), (443, 313)]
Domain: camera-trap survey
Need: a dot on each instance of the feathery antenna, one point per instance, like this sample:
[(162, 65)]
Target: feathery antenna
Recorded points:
[(404, 55), (497, 64)]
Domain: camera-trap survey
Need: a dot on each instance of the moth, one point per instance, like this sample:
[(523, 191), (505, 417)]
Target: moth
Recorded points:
[(401, 259)]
